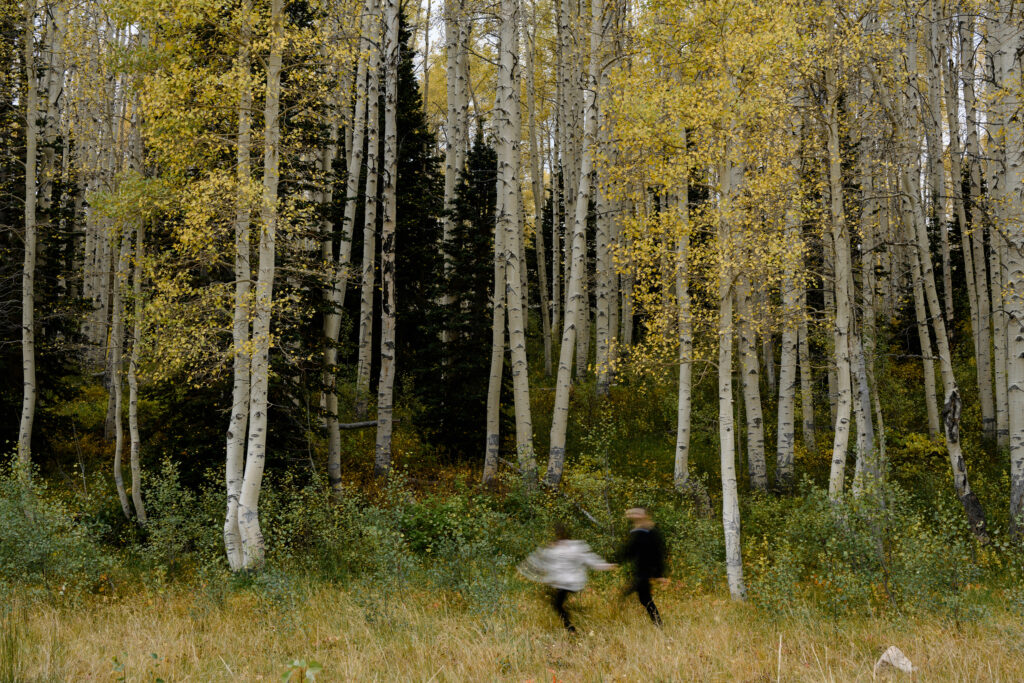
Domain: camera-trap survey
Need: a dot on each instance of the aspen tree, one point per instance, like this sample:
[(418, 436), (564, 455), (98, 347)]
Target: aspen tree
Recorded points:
[(248, 502), (806, 379), (914, 219), (338, 270), (538, 192), (788, 352), (726, 426), (575, 302), (240, 329), (681, 473), (386, 382), (28, 273), (135, 439), (978, 305), (507, 221), (983, 332), (750, 381), (843, 293), (116, 364), (365, 356), (1005, 46)]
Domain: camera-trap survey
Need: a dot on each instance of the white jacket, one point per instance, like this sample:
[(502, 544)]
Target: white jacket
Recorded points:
[(563, 564)]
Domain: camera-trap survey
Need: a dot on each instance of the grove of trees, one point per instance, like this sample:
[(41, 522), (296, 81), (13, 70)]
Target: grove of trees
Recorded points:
[(791, 207)]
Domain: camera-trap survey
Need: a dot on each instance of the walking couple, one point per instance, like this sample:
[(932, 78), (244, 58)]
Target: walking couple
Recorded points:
[(563, 564)]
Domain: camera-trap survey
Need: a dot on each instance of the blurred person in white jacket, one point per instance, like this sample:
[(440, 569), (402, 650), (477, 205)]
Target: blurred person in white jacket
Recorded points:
[(563, 565)]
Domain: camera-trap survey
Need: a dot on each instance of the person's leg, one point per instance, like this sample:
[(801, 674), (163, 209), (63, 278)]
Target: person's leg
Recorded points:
[(558, 602), (643, 591)]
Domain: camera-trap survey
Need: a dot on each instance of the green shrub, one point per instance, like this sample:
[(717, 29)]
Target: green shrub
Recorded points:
[(43, 544)]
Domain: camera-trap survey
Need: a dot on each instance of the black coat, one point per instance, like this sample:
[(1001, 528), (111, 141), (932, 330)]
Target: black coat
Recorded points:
[(645, 549)]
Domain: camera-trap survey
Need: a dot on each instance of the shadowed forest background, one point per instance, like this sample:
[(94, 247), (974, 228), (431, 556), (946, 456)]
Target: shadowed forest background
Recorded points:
[(318, 315)]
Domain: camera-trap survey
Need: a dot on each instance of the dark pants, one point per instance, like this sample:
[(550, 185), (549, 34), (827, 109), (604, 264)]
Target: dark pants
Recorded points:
[(558, 602), (642, 587)]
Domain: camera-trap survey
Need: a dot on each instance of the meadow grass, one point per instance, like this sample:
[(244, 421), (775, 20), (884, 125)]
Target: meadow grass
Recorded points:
[(149, 634)]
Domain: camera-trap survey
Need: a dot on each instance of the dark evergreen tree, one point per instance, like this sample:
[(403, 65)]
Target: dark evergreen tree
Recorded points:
[(469, 256)]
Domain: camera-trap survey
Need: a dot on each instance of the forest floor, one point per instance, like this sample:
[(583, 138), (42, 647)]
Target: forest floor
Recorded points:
[(153, 634)]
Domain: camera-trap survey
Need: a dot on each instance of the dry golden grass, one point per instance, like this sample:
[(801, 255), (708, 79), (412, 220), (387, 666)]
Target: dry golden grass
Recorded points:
[(426, 637)]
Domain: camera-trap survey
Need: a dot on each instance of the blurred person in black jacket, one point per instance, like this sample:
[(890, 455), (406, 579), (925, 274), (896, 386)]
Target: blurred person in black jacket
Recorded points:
[(645, 551)]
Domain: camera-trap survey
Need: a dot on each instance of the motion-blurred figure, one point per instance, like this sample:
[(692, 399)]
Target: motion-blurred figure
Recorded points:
[(645, 551), (563, 565)]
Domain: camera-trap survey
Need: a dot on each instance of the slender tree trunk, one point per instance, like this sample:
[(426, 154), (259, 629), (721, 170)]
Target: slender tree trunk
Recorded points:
[(538, 195), (240, 332), (1006, 47), (927, 357), (983, 332), (255, 457), (806, 374), (339, 270), (133, 380), (507, 221), (843, 294), (364, 360), (493, 437), (786, 428), (604, 267), (386, 383), (726, 428), (117, 368), (28, 273), (979, 306), (756, 466), (681, 475), (576, 304)]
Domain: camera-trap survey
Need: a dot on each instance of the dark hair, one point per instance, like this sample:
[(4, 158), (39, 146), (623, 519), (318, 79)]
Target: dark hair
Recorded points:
[(561, 533)]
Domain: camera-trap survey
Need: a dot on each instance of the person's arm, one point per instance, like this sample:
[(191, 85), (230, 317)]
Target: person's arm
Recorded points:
[(595, 561)]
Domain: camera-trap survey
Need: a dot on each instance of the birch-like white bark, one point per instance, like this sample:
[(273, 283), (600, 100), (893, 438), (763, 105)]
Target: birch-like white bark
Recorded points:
[(576, 305), (983, 332), (135, 438), (756, 466), (240, 330), (389, 205), (843, 294), (368, 279), (1006, 45), (253, 549), (28, 273), (684, 321), (507, 221), (538, 194), (726, 426), (117, 367)]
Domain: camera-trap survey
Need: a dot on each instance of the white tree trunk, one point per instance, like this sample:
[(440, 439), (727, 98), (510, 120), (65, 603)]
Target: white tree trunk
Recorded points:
[(28, 273), (117, 367), (368, 279), (507, 221), (538, 196), (248, 503), (1006, 48), (681, 474), (843, 296), (389, 205), (576, 304), (756, 466), (983, 332), (806, 374), (339, 270), (726, 427), (492, 446), (133, 380), (785, 441), (240, 334)]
